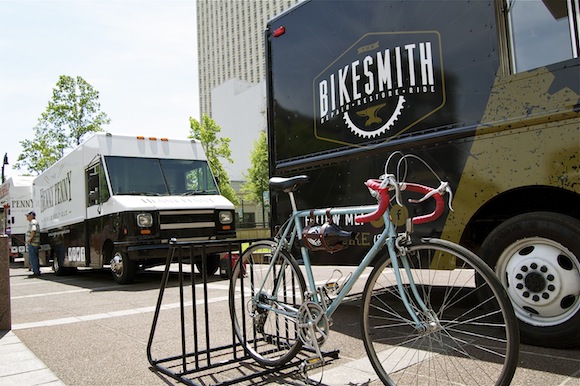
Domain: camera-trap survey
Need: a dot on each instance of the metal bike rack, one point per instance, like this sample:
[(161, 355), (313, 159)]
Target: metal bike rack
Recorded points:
[(198, 361)]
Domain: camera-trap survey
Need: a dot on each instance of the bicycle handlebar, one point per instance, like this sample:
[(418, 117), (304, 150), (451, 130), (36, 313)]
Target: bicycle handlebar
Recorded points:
[(384, 198), (428, 192), (381, 187)]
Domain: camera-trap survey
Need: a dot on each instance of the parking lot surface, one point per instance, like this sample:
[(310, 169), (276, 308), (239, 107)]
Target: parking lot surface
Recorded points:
[(85, 329)]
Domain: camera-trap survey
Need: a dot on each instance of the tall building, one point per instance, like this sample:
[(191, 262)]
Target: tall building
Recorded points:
[(232, 88), (231, 42)]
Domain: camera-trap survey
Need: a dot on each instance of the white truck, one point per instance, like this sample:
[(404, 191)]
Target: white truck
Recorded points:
[(15, 202), (118, 201)]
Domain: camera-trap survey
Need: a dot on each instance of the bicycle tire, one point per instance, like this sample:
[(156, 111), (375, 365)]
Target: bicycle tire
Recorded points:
[(475, 338), (269, 337)]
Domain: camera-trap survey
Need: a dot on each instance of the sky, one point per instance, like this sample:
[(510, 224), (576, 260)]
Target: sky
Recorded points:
[(140, 55)]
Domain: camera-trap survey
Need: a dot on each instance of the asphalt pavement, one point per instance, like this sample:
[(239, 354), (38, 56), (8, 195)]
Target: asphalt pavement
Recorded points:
[(85, 329)]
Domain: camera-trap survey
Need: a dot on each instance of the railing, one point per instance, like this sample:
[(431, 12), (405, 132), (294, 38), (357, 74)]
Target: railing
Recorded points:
[(204, 350)]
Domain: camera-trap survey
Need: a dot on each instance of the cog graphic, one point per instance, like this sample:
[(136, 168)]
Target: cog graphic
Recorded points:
[(380, 130)]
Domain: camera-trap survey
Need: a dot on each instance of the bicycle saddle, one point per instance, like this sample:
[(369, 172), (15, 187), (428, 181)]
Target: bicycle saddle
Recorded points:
[(289, 184)]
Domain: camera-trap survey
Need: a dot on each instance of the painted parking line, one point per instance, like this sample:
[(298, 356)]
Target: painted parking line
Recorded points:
[(98, 289), (40, 295), (108, 315)]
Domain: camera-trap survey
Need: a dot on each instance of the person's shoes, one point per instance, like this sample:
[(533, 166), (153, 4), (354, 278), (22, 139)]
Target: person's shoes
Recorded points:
[(34, 275)]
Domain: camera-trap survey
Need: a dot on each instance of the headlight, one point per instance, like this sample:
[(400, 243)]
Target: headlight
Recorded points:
[(144, 220), (226, 217)]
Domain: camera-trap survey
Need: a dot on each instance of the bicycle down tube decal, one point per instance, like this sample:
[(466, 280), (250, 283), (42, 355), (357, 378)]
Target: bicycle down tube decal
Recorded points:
[(382, 86)]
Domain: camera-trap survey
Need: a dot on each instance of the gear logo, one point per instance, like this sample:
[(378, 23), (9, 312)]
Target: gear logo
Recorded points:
[(382, 86), (371, 114)]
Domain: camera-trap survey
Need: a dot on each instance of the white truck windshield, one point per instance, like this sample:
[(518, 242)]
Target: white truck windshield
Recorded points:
[(159, 177)]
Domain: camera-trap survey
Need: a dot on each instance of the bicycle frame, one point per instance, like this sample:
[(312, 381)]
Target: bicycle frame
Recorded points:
[(292, 229)]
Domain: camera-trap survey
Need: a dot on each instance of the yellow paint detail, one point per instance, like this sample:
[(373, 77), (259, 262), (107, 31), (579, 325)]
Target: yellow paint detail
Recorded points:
[(399, 214), (528, 137)]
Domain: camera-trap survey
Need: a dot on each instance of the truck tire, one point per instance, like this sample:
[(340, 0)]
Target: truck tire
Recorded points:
[(212, 264), (536, 257), (123, 268), (58, 268)]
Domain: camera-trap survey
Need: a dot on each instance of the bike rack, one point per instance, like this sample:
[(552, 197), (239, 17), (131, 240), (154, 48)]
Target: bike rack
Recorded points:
[(198, 362)]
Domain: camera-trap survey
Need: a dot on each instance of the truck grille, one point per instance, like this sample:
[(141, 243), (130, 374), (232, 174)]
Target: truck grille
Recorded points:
[(187, 225)]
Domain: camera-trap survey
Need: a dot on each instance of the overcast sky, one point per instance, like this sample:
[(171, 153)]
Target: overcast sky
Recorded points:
[(140, 55)]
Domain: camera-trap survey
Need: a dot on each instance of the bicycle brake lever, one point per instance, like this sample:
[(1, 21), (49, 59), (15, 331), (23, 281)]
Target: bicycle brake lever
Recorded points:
[(391, 182), (442, 189), (425, 197), (445, 188), (450, 192)]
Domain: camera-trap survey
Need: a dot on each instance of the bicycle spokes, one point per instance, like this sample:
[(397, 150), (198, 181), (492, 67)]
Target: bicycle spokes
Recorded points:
[(466, 336)]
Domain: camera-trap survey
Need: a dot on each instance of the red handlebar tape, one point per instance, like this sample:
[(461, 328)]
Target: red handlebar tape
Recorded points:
[(383, 202), (439, 203), (385, 198)]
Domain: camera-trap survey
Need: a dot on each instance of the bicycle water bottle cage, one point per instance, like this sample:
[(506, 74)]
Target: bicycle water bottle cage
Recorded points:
[(325, 237)]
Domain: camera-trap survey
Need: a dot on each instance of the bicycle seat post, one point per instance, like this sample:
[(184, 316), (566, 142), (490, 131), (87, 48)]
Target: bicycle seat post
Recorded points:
[(288, 185), (292, 201)]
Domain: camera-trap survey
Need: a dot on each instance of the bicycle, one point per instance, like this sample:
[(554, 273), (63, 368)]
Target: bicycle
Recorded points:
[(419, 324)]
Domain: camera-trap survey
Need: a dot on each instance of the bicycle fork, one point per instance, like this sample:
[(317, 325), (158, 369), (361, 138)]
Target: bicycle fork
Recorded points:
[(432, 320)]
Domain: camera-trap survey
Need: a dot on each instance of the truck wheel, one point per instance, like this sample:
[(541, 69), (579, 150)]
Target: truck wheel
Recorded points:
[(59, 270), (536, 257), (212, 264), (123, 268)]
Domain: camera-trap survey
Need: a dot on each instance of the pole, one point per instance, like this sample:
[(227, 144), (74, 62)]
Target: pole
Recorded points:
[(5, 311), (3, 164)]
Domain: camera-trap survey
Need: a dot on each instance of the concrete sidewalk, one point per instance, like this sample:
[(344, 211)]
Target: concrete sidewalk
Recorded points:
[(20, 367)]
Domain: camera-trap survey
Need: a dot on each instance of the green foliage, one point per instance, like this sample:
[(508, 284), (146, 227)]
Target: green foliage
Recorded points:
[(215, 148), (73, 111), (40, 153), (257, 178)]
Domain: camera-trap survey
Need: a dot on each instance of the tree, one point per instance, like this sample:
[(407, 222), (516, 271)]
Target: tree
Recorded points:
[(41, 152), (215, 147), (257, 178), (73, 111)]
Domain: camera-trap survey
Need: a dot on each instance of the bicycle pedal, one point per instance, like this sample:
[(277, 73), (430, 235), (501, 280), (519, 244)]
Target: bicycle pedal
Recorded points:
[(312, 363)]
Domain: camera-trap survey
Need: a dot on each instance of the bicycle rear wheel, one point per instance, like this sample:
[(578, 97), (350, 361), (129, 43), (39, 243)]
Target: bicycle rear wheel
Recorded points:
[(264, 299), (469, 335)]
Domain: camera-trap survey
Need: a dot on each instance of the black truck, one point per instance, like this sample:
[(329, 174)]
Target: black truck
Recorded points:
[(486, 92)]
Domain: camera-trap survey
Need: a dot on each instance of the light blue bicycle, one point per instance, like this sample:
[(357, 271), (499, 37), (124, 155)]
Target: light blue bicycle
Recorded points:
[(420, 324)]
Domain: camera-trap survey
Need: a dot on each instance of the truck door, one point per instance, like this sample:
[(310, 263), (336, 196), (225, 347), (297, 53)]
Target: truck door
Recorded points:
[(97, 193)]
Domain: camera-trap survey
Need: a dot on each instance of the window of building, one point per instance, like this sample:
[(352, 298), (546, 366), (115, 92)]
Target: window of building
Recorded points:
[(542, 32)]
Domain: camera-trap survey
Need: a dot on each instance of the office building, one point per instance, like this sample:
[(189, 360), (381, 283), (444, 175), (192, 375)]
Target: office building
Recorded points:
[(231, 42)]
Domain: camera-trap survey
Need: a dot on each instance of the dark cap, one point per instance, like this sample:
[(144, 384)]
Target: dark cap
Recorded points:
[(31, 213)]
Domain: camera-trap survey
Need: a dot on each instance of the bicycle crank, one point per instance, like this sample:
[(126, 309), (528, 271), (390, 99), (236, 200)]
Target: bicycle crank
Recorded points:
[(313, 326)]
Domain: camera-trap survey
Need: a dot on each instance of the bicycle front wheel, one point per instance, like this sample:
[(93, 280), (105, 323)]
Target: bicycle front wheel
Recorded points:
[(465, 333), (266, 291)]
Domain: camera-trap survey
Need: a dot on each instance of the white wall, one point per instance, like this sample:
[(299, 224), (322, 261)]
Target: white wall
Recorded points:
[(239, 108)]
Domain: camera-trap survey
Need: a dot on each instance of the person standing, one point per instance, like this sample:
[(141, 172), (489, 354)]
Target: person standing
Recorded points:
[(33, 242)]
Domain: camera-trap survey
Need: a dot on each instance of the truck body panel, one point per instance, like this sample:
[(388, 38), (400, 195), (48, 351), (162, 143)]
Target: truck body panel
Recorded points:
[(414, 76)]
